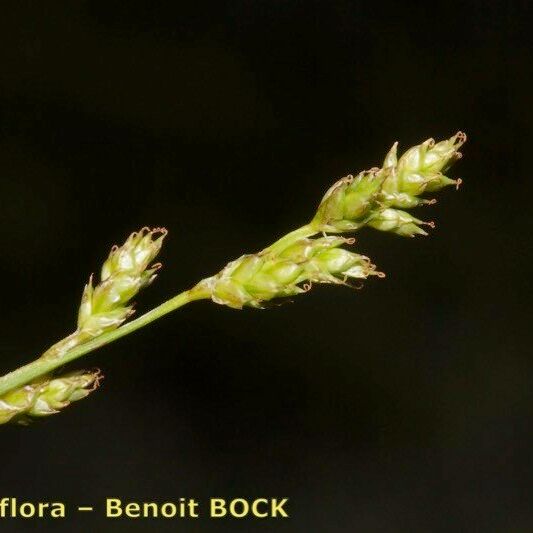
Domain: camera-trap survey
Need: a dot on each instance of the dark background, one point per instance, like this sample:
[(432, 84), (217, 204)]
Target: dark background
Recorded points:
[(403, 407)]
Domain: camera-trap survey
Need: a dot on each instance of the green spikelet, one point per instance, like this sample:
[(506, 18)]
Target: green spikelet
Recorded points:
[(378, 197), (105, 306), (125, 272), (47, 396), (254, 279)]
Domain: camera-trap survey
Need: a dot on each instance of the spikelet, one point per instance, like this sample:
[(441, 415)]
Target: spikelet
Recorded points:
[(125, 272), (254, 279), (379, 197), (46, 396), (106, 305)]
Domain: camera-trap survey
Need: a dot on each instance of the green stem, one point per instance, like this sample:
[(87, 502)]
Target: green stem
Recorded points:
[(286, 240), (45, 364)]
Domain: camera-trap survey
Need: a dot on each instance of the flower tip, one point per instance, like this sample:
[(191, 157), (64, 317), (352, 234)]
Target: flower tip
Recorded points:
[(160, 233), (458, 139), (307, 286), (97, 378)]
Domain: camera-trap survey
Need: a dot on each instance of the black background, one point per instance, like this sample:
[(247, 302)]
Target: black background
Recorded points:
[(405, 406)]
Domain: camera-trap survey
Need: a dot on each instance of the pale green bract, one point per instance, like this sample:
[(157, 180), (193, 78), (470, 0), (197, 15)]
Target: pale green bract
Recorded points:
[(378, 198)]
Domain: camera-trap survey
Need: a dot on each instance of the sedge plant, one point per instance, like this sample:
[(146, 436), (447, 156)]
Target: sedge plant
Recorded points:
[(317, 252)]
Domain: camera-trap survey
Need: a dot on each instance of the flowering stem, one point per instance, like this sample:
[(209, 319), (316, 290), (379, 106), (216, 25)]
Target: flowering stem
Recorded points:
[(377, 198), (45, 363)]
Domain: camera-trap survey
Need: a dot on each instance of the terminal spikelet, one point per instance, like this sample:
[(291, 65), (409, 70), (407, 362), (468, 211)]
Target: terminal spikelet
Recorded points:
[(379, 197), (46, 396)]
